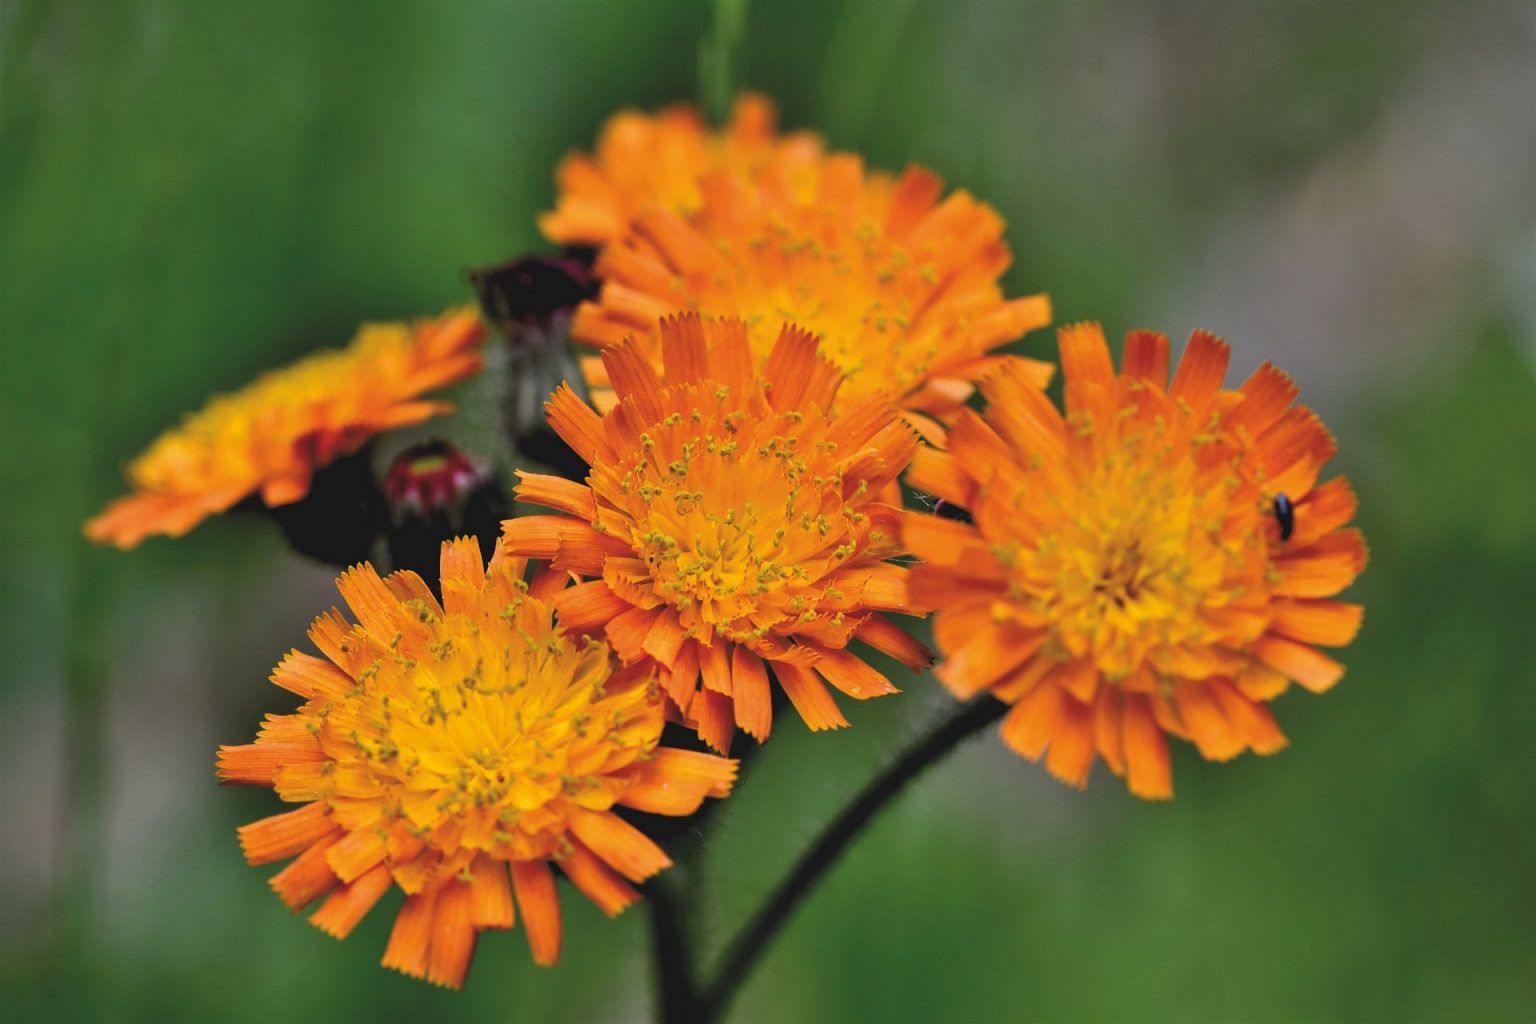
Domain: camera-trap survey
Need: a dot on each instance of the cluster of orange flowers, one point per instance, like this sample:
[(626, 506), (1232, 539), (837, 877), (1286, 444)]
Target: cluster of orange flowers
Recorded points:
[(782, 339)]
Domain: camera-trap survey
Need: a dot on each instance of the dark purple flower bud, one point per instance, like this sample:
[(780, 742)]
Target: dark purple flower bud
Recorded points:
[(430, 477), (435, 493), (533, 291)]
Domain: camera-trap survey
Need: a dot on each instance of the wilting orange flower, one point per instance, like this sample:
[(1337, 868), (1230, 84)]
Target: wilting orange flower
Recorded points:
[(1127, 575), (730, 520), (901, 285), (274, 434), (661, 159), (442, 744)]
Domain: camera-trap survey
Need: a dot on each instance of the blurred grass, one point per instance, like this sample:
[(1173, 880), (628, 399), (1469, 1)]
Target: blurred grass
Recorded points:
[(190, 193)]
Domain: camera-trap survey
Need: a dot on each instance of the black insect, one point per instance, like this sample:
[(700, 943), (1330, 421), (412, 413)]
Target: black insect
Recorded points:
[(1285, 515), (944, 509)]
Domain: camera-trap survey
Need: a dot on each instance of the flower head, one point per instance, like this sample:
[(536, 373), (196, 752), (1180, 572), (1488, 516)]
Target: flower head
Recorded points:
[(271, 437), (730, 520), (901, 284), (456, 749), (1126, 574), (661, 159)]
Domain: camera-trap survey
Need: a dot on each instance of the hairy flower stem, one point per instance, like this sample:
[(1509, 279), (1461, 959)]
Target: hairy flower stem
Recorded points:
[(746, 950), (717, 54), (677, 987)]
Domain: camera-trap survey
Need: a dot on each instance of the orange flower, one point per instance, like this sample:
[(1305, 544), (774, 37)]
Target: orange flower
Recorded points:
[(441, 745), (730, 521), (901, 286), (1127, 574), (645, 159), (274, 434)]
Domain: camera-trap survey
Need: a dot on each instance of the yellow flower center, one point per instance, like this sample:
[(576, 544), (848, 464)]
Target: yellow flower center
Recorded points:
[(484, 727), (1133, 563), (737, 520), (851, 284)]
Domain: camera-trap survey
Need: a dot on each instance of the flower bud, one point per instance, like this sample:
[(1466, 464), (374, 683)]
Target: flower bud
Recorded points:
[(533, 291), (435, 493)]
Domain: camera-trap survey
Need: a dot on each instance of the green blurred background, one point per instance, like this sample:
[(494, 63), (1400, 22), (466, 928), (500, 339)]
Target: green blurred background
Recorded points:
[(192, 192)]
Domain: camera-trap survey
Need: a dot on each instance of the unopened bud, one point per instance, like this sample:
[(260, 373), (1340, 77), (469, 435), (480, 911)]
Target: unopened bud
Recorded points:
[(429, 478), (435, 493), (534, 291)]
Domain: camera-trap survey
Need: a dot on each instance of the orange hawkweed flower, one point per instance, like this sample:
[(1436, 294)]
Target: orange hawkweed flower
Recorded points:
[(442, 744), (902, 287), (661, 159), (730, 520), (1126, 574), (272, 436)]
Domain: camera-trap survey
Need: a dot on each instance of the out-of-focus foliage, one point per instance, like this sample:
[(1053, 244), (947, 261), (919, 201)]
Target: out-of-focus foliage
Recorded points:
[(192, 192)]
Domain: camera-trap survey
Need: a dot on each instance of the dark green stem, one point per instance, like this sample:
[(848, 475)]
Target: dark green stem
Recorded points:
[(677, 988), (746, 950), (717, 53)]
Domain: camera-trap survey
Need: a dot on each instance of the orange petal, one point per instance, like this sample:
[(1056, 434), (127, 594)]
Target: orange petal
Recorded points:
[(350, 903), (1329, 623), (540, 536), (453, 936), (253, 764), (1201, 371), (557, 493), (1147, 769), (683, 680), (376, 608), (933, 539), (1257, 681), (888, 638), (940, 474), (491, 891), (987, 657), (628, 631), (285, 835), (597, 881), (1206, 721), (1032, 723), (690, 769), (1108, 722), (730, 352), (799, 376), (534, 884), (309, 677), (1266, 396), (1146, 357), (750, 694), (1323, 510), (665, 638), (1323, 569), (717, 722), (1309, 667), (547, 581), (1070, 757), (809, 696), (308, 878), (851, 675), (577, 423), (633, 378), (1085, 355), (411, 936), (683, 351), (715, 666), (624, 847), (1250, 717), (357, 852), (587, 607)]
